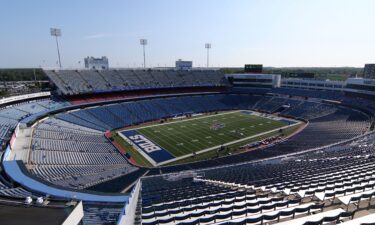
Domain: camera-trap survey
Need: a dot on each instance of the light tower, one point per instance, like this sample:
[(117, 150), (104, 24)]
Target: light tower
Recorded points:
[(56, 32), (144, 43), (208, 46)]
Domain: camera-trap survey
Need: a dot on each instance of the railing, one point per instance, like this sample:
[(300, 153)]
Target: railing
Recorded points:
[(128, 213), (24, 97), (75, 216)]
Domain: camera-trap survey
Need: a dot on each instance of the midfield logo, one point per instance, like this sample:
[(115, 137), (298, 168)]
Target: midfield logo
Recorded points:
[(217, 126)]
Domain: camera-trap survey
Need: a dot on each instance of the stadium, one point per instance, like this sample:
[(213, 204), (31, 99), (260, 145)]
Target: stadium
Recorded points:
[(191, 112), (169, 146)]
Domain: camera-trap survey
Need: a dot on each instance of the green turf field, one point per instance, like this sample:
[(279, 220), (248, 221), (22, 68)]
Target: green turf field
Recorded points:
[(193, 135)]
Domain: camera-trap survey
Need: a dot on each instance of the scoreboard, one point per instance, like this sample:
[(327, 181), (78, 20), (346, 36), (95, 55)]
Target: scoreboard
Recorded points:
[(253, 68)]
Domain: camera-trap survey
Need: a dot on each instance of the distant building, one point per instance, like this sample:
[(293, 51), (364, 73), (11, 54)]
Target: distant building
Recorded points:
[(312, 84), (359, 87), (184, 65), (96, 63), (251, 80), (369, 72)]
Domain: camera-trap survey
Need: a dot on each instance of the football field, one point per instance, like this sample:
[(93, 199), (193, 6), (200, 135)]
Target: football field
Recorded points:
[(168, 141)]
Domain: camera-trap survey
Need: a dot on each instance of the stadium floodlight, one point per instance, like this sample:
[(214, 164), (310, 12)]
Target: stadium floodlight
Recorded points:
[(143, 42), (56, 32), (208, 46)]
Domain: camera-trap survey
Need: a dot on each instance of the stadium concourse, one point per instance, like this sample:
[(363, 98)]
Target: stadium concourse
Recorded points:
[(58, 155)]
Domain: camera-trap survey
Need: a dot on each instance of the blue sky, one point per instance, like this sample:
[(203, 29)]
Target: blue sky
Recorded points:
[(276, 33)]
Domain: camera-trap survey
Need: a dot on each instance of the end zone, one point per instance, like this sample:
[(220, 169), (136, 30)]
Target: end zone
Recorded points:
[(151, 151)]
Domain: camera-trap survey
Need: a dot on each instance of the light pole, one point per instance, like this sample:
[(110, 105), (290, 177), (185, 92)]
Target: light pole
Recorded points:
[(208, 46), (144, 43), (56, 32)]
